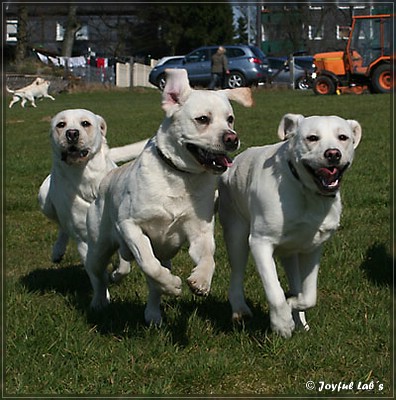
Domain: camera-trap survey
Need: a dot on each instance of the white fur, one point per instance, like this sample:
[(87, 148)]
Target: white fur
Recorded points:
[(77, 170), (36, 90), (279, 209), (150, 208)]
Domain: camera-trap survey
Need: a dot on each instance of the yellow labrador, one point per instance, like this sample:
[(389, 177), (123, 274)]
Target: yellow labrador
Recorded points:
[(81, 158), (36, 90), (284, 200), (150, 208)]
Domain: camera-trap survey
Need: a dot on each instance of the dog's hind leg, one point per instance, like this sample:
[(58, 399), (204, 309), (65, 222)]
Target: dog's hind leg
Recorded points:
[(14, 100), (236, 233), (98, 256), (59, 248)]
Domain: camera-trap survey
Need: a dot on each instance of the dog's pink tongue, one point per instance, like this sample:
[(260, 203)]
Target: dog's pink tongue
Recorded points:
[(329, 172), (224, 160), (329, 175)]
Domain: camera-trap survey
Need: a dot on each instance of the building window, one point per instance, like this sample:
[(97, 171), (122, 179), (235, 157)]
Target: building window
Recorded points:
[(315, 33), (60, 32), (81, 34), (315, 7), (343, 32), (12, 31)]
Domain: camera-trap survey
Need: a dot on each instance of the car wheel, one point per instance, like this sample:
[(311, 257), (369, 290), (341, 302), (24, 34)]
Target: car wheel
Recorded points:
[(235, 80), (161, 82), (302, 84)]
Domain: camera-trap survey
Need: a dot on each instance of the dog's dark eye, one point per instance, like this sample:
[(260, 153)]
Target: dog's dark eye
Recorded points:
[(343, 138), (61, 125), (203, 120), (230, 119), (85, 124), (313, 138)]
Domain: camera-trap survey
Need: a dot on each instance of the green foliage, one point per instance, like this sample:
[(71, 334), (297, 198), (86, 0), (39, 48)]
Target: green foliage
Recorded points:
[(166, 29), (55, 346)]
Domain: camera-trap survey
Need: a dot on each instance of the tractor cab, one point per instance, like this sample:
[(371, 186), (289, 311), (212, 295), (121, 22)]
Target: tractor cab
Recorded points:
[(365, 63)]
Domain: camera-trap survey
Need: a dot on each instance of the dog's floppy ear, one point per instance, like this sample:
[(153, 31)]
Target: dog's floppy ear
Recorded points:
[(288, 125), (176, 91), (357, 131), (102, 125), (242, 96)]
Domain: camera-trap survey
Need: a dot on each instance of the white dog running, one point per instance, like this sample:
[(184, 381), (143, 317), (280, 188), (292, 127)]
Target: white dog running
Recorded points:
[(148, 209), (36, 90), (284, 200), (81, 158)]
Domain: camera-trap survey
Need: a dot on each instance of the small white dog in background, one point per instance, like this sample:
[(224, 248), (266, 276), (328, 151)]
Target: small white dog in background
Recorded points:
[(80, 160), (283, 200), (36, 90), (148, 209)]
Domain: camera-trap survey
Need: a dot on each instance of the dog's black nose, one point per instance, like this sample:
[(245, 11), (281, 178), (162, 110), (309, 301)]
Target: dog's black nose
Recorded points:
[(230, 140), (72, 136), (333, 155)]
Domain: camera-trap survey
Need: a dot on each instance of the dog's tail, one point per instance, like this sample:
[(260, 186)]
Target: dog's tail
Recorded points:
[(9, 90), (128, 152)]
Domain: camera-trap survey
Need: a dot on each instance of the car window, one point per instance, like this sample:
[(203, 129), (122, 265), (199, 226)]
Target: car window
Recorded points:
[(258, 53), (234, 52), (172, 61), (197, 56)]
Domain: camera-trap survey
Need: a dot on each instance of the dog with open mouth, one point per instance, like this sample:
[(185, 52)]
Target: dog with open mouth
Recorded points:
[(283, 200), (80, 160), (150, 208)]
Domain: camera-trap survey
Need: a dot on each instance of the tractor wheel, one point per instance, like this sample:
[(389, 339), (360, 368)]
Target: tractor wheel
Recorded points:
[(324, 85), (381, 80)]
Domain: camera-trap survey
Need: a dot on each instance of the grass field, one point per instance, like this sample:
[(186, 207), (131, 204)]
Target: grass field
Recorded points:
[(54, 346)]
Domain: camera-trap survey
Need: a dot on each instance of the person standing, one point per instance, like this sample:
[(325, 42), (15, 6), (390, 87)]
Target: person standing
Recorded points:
[(219, 68)]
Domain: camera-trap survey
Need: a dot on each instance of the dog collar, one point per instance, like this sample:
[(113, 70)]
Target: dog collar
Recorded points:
[(168, 161), (293, 170)]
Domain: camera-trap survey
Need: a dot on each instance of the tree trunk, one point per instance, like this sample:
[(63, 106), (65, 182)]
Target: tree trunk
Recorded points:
[(21, 47), (72, 27)]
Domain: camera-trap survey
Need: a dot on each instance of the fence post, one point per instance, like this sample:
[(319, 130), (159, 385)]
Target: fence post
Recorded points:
[(292, 71)]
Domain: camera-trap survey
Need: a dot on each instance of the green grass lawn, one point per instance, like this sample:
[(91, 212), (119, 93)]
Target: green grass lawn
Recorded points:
[(55, 346)]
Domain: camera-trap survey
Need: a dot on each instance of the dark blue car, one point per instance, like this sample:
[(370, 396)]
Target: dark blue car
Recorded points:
[(248, 66)]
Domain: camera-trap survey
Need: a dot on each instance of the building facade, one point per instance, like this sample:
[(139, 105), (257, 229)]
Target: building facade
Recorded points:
[(310, 27)]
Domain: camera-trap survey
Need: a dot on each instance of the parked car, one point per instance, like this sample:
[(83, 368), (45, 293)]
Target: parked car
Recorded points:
[(280, 71), (248, 66), (168, 60)]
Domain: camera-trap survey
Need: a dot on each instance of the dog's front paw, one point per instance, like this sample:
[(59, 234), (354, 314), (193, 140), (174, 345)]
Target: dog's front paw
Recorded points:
[(282, 321), (168, 283), (198, 283)]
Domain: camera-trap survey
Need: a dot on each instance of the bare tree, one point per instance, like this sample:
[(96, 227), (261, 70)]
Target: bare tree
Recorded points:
[(72, 27), (22, 36)]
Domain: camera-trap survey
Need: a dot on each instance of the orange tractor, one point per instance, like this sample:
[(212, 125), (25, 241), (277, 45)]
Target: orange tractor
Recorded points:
[(365, 63)]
